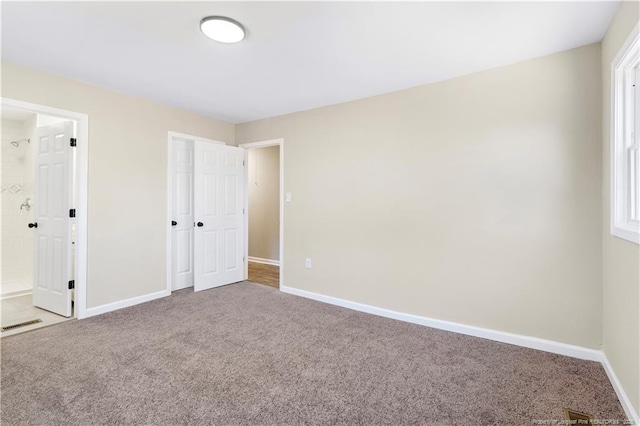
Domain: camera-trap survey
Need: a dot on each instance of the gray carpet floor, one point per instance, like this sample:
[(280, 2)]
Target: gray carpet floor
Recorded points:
[(246, 354)]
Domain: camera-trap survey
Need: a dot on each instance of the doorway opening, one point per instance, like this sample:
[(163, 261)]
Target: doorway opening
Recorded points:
[(264, 211), (43, 216)]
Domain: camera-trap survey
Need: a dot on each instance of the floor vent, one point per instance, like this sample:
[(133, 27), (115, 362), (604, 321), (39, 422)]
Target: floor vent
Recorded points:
[(577, 418), (21, 324)]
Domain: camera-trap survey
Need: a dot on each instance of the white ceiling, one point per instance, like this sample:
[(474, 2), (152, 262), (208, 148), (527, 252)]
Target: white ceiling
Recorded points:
[(296, 55)]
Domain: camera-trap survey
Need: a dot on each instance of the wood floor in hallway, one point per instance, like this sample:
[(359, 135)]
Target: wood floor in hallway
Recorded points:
[(260, 273)]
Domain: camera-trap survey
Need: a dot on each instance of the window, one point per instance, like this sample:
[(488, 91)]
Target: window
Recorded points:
[(625, 152)]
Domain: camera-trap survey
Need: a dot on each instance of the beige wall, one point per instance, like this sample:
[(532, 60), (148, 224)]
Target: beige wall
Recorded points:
[(475, 200), (621, 258), (127, 177), (264, 203)]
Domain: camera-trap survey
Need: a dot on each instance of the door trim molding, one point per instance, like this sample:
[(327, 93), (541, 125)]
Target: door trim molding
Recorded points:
[(82, 161), (173, 136), (255, 145)]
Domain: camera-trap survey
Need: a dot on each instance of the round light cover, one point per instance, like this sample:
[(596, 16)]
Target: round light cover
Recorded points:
[(222, 29)]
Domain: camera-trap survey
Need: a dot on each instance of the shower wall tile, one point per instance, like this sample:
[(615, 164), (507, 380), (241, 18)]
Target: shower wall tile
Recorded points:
[(16, 184)]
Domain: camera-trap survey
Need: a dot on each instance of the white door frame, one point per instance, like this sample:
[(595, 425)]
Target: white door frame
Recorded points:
[(82, 160), (171, 137), (254, 145)]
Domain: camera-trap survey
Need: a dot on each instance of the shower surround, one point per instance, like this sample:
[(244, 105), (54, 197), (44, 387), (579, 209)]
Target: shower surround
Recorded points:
[(16, 185)]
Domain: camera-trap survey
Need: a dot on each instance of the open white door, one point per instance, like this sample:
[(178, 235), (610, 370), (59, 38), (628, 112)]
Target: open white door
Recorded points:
[(182, 215), (219, 215), (52, 224)]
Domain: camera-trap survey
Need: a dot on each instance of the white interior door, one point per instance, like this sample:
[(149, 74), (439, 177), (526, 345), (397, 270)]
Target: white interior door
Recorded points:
[(219, 215), (182, 215), (52, 224)]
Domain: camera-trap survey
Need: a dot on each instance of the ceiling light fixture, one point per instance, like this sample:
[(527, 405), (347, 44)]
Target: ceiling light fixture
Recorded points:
[(222, 29)]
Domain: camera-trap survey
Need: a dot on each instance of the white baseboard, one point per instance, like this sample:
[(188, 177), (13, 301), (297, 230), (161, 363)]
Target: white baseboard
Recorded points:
[(485, 333), (622, 395), (264, 261), (498, 336), (16, 294), (89, 312)]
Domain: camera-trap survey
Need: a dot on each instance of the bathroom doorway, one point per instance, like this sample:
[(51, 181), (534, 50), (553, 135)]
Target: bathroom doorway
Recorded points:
[(264, 218), (39, 195)]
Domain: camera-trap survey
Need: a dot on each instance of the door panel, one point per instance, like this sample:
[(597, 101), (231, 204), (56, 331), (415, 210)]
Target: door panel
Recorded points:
[(182, 214), (54, 171), (211, 247), (218, 181), (210, 195), (184, 190), (184, 241), (231, 195), (231, 248)]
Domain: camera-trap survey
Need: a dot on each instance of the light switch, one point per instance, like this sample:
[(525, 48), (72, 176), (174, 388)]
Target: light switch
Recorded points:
[(307, 263), (287, 197)]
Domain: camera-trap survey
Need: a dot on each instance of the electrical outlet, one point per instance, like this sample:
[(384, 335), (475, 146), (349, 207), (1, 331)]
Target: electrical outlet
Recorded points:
[(287, 197), (307, 263)]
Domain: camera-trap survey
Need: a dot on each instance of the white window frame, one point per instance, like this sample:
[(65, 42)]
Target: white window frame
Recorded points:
[(625, 140)]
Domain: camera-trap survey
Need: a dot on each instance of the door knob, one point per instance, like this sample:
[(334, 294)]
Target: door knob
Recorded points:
[(200, 224), (33, 225), (174, 223)]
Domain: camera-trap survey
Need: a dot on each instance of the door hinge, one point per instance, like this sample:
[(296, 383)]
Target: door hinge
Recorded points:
[(242, 211), (72, 212), (242, 259), (242, 163), (72, 284), (73, 142)]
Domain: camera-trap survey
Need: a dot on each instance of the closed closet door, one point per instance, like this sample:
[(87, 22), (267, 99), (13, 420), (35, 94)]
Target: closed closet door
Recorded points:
[(219, 214), (182, 214), (52, 224)]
